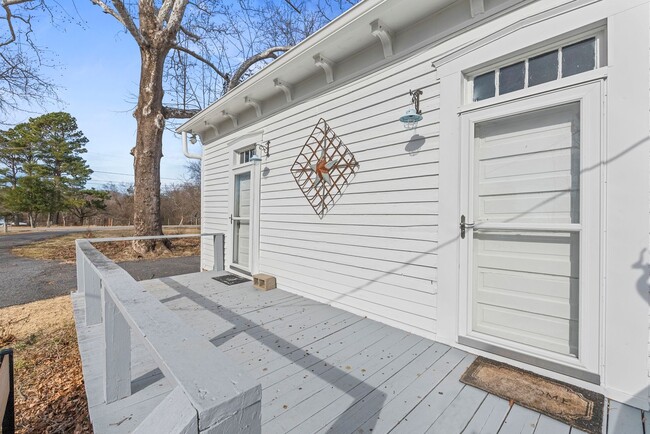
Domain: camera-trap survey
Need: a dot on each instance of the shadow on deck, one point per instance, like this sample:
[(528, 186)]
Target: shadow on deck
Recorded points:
[(322, 369)]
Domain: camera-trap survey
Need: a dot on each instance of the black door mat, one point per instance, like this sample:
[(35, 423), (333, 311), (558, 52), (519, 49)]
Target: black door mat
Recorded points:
[(231, 279), (570, 404)]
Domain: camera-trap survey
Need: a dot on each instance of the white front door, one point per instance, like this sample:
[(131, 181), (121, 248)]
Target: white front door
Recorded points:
[(530, 230), (241, 220)]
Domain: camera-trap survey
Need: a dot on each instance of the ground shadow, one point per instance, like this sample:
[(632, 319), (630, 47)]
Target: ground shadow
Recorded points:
[(299, 356)]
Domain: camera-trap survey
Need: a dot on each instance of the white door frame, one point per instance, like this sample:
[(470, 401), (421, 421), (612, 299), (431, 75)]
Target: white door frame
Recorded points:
[(586, 366), (235, 168)]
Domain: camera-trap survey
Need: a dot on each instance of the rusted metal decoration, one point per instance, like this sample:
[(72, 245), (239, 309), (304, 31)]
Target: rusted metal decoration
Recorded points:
[(324, 167)]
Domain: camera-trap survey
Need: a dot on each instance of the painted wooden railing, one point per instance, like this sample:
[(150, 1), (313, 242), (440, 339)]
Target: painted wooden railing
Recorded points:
[(211, 393)]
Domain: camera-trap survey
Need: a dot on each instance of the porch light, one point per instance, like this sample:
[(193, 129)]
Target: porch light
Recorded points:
[(193, 139), (412, 115), (262, 147)]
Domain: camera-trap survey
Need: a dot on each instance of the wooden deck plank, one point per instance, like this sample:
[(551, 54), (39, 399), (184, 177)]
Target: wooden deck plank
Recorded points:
[(547, 425), (346, 384), (624, 419), (336, 372), (288, 325), (274, 346), (337, 347), (313, 385), (489, 417), (520, 420), (391, 413), (423, 415), (361, 411), (332, 413), (455, 418)]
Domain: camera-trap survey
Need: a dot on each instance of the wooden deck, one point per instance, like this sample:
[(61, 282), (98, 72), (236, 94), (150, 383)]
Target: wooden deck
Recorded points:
[(322, 369)]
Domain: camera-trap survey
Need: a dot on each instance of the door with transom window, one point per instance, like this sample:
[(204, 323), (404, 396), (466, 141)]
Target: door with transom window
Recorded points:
[(530, 230), (243, 216)]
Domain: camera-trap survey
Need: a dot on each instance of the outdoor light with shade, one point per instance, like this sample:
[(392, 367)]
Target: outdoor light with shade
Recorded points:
[(262, 147), (412, 115)]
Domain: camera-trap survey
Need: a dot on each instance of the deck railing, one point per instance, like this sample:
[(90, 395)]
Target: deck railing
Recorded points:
[(211, 393)]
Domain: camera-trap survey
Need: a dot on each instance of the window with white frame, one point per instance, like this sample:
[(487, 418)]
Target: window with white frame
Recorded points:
[(244, 156), (573, 57)]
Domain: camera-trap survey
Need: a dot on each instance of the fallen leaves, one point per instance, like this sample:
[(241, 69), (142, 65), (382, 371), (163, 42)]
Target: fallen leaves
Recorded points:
[(49, 389)]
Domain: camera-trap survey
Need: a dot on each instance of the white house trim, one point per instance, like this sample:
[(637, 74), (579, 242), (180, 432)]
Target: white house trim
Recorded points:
[(285, 87), (257, 105), (385, 35), (326, 65)]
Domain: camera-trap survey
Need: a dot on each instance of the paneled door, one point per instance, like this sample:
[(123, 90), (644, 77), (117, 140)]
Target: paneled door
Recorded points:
[(241, 220), (530, 230)]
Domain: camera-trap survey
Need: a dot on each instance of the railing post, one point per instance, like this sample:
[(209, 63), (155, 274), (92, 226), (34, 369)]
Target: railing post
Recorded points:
[(117, 356), (218, 243), (92, 294), (80, 270), (7, 405)]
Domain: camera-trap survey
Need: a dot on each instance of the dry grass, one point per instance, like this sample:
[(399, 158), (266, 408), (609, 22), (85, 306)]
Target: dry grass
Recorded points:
[(49, 390), (63, 248)]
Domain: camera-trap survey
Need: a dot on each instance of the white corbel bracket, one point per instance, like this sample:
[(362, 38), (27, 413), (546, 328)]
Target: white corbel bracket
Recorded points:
[(383, 32), (326, 65), (476, 7), (285, 87), (257, 105), (213, 127), (232, 117)]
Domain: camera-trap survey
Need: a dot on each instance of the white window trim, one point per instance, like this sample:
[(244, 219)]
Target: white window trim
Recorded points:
[(600, 34)]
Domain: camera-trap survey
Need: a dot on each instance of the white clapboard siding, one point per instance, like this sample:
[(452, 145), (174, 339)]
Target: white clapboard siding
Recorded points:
[(374, 253)]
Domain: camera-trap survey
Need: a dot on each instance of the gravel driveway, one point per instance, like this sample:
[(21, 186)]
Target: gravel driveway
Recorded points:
[(23, 280)]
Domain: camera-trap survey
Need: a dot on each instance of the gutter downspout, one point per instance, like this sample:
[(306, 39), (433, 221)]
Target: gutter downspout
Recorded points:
[(186, 151)]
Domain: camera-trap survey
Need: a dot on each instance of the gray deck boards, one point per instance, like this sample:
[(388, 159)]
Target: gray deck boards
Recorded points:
[(321, 369)]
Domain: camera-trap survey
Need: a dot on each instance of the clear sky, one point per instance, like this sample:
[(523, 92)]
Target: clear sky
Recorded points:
[(98, 73)]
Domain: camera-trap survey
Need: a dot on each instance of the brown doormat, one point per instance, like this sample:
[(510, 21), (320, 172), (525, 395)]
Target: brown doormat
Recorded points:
[(572, 405)]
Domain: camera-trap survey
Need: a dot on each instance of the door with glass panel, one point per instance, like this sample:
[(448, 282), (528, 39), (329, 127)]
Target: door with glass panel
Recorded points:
[(530, 230), (241, 220)]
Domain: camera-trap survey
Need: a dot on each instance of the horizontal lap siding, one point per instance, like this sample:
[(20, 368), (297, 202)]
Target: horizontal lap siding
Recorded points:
[(374, 253)]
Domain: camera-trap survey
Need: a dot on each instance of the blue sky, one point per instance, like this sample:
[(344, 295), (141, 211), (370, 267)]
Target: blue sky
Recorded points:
[(98, 74)]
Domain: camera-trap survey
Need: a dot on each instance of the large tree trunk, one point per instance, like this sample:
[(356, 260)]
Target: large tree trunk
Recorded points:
[(148, 149)]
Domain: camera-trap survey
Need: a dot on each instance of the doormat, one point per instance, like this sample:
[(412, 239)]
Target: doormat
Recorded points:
[(231, 279), (572, 405)]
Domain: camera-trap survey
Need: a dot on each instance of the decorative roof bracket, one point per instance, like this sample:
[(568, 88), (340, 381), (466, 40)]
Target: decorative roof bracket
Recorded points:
[(285, 87), (476, 7), (385, 35), (233, 117), (326, 65), (257, 105), (213, 127)]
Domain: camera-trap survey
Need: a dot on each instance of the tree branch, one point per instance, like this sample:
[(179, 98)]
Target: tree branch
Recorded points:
[(202, 59), (121, 14), (269, 53), (176, 17), (178, 113)]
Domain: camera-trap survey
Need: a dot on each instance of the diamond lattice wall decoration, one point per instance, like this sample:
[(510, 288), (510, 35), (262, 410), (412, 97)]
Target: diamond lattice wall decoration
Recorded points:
[(324, 168)]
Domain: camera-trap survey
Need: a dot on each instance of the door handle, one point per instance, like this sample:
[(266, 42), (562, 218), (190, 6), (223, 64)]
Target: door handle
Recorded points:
[(464, 226)]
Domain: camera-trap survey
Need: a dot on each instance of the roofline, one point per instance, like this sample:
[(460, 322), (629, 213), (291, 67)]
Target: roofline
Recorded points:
[(336, 25)]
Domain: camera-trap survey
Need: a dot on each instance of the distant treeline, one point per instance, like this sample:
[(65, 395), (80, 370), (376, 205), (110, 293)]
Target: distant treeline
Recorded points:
[(43, 179)]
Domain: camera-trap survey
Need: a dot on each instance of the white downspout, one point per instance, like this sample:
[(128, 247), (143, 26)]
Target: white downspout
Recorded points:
[(186, 151)]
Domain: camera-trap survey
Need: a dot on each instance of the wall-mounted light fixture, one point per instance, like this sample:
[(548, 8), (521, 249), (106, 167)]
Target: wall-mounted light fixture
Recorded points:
[(193, 139), (412, 115), (263, 147)]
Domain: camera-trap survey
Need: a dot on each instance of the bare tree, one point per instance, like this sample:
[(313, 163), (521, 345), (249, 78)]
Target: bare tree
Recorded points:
[(21, 59), (212, 43)]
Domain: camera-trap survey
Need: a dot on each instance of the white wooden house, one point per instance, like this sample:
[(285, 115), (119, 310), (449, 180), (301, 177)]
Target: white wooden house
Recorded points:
[(534, 131)]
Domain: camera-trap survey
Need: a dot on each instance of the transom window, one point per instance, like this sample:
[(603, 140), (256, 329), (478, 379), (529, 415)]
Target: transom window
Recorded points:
[(564, 61), (245, 155)]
